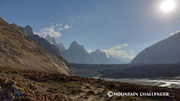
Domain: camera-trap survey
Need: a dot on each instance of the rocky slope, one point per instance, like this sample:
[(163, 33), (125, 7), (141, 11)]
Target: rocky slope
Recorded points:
[(166, 51), (29, 85), (54, 42), (77, 54), (19, 51)]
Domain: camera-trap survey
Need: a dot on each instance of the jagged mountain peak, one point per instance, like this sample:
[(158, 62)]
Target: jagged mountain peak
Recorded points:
[(52, 40), (100, 57), (28, 31), (77, 54), (28, 27), (75, 45)]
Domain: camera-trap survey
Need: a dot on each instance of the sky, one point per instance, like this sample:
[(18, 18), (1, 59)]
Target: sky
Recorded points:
[(121, 28)]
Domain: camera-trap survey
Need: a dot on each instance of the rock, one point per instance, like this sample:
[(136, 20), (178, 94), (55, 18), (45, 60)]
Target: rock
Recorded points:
[(91, 92), (32, 86), (14, 78), (34, 77)]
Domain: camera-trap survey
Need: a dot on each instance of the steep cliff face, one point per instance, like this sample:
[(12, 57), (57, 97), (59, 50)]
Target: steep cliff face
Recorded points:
[(77, 54), (27, 30), (166, 51), (19, 51), (54, 42)]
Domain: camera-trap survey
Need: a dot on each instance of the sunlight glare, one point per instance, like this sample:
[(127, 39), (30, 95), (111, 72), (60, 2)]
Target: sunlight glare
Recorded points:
[(168, 5)]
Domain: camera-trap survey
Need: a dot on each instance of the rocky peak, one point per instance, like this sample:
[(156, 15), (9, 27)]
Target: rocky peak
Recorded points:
[(28, 31), (28, 27), (74, 45), (54, 42), (100, 56), (77, 54), (50, 39)]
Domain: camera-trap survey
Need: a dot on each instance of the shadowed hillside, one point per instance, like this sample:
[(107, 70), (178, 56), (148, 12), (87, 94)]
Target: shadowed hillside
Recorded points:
[(146, 71), (166, 51)]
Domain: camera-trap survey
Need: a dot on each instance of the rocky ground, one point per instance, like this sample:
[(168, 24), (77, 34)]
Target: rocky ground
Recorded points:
[(29, 85)]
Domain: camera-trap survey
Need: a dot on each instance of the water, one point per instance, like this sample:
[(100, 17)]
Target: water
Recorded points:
[(170, 82)]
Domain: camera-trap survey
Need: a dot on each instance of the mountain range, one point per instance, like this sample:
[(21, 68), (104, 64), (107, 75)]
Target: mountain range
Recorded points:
[(54, 47), (19, 51), (166, 51), (75, 54)]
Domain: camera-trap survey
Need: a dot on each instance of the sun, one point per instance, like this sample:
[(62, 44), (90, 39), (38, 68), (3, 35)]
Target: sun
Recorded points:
[(167, 5)]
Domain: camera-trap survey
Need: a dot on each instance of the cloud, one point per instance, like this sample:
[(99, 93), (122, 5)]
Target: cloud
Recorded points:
[(72, 20), (52, 27), (172, 33), (53, 30), (60, 29), (117, 52), (50, 31), (67, 27), (120, 46)]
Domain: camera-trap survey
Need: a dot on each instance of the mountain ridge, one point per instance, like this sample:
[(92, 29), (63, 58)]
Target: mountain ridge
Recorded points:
[(165, 51), (28, 31)]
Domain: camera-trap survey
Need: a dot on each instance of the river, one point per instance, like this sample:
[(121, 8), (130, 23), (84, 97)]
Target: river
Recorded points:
[(161, 82)]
